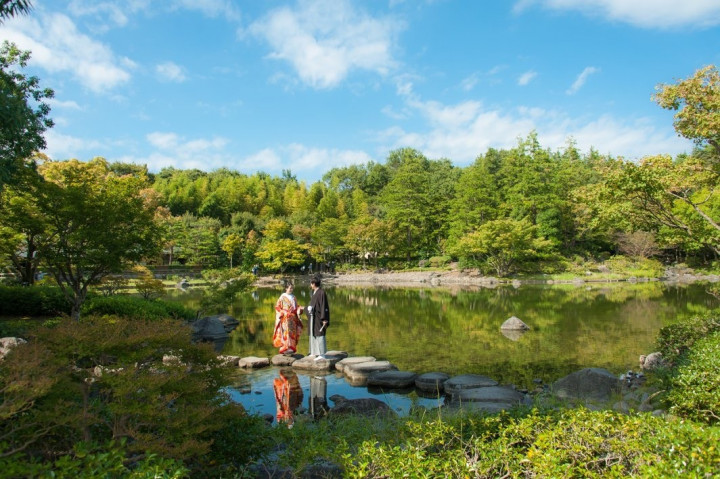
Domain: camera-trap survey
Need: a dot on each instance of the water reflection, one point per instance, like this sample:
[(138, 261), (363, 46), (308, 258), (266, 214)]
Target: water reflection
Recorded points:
[(288, 396), (457, 331), (318, 404)]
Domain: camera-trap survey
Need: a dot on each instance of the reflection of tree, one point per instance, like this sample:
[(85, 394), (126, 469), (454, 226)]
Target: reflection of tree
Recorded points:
[(433, 329)]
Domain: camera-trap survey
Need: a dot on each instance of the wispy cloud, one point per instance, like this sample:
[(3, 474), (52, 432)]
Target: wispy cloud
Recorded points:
[(641, 13), (170, 71), (58, 46), (325, 40), (581, 79), (526, 78), (467, 129)]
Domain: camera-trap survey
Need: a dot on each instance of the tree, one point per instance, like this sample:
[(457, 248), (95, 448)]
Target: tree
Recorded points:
[(98, 224), (23, 111), (12, 8), (147, 284), (697, 102), (502, 244), (231, 244), (279, 254)]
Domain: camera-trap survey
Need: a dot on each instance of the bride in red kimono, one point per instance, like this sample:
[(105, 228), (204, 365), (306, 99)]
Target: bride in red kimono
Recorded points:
[(288, 325)]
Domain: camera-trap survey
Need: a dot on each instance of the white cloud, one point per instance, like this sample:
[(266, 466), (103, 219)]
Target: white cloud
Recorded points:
[(324, 40), (469, 82), (465, 130), (302, 160), (57, 46), (581, 79), (526, 78), (62, 147), (641, 13), (170, 71), (59, 104), (210, 8)]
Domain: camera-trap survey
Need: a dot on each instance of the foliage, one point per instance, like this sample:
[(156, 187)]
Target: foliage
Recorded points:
[(132, 307), (502, 244), (224, 286), (278, 255), (106, 379), (32, 301), (146, 284), (676, 339), (89, 461), (644, 268), (112, 284), (98, 222), (25, 114), (695, 390)]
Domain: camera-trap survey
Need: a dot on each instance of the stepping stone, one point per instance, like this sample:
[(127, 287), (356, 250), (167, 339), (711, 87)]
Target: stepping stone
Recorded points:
[(342, 354), (364, 406), (363, 370), (253, 362), (431, 382), (309, 363), (353, 360), (489, 394), (284, 359), (467, 381), (392, 379)]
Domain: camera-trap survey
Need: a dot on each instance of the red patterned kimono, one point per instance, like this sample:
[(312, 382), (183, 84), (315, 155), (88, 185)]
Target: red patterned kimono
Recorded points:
[(288, 396), (287, 324)]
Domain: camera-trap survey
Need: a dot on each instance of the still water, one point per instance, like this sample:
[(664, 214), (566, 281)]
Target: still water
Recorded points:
[(606, 325)]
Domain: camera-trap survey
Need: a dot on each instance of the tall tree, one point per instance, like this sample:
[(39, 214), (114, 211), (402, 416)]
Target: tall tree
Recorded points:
[(23, 111), (98, 224), (12, 8)]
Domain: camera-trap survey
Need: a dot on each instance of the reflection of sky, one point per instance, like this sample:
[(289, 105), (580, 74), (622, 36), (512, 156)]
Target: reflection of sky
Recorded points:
[(254, 390)]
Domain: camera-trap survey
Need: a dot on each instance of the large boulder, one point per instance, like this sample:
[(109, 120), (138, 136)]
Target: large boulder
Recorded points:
[(6, 344), (363, 406), (391, 379), (210, 329), (467, 381), (229, 322), (285, 359), (490, 394), (514, 324), (590, 383), (652, 361)]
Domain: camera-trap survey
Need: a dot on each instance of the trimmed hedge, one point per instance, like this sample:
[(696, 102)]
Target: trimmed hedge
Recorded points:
[(133, 307)]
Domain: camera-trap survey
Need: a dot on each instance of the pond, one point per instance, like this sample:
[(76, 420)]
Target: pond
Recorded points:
[(457, 331)]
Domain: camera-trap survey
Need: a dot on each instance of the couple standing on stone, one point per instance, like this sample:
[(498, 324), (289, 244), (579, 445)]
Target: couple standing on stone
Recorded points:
[(288, 325)]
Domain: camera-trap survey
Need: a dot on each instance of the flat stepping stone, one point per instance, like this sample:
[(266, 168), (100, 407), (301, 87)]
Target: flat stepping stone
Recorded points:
[(363, 406), (467, 381), (431, 382), (363, 370), (392, 379), (309, 363), (253, 362), (353, 360), (342, 354), (489, 394), (285, 359)]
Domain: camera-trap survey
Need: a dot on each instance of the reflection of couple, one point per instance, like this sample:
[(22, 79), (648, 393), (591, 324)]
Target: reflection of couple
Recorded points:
[(289, 396), (288, 325)]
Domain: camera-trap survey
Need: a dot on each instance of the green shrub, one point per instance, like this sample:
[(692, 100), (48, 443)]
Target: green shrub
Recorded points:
[(134, 307), (90, 462), (676, 339), (695, 390), (32, 301), (439, 261)]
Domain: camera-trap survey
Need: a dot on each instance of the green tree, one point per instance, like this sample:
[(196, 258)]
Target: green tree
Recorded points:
[(24, 115), (279, 254), (146, 284), (231, 245), (12, 8), (98, 224), (502, 244)]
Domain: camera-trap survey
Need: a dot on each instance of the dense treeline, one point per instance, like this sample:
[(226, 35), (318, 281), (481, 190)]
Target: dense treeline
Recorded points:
[(523, 209)]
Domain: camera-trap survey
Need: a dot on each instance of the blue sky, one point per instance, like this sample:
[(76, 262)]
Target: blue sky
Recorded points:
[(307, 85)]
